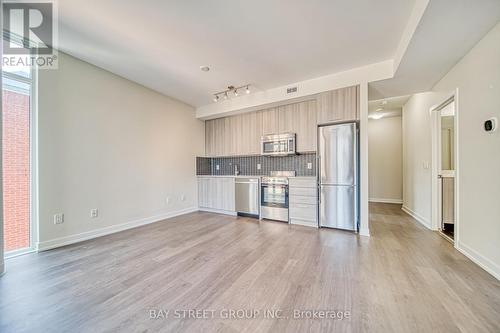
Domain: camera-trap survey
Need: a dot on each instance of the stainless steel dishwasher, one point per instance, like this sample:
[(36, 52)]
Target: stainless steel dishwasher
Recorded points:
[(247, 196)]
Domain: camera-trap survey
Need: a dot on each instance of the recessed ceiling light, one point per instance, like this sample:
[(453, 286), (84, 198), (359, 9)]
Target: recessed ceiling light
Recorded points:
[(204, 68), (376, 116)]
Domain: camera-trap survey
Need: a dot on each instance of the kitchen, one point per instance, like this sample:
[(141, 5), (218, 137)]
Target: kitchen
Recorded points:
[(265, 163)]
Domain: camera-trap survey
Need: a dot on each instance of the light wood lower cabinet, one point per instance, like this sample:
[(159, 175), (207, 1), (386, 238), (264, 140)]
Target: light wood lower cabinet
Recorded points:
[(216, 193), (303, 201)]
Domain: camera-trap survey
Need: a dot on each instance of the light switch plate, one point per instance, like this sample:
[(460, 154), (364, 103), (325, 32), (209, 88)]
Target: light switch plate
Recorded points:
[(93, 213)]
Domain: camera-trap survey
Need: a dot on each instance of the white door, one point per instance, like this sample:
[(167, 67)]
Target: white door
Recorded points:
[(446, 167)]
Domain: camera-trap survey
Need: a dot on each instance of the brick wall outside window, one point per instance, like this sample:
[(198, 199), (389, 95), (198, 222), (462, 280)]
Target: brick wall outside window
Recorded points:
[(16, 164)]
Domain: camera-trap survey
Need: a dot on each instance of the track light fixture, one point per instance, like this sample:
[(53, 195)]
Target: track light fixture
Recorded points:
[(231, 89)]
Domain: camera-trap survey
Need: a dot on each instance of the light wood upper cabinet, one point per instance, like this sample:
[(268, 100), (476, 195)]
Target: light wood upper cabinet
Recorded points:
[(230, 131), (219, 136), (306, 128), (250, 133), (287, 118), (270, 121), (210, 138), (240, 134), (338, 105), (299, 118), (255, 128)]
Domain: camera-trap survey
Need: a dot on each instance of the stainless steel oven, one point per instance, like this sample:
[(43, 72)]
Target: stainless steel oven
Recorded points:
[(278, 144), (274, 196)]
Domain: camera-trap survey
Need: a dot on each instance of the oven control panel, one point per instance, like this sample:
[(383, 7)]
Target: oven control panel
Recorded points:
[(275, 180)]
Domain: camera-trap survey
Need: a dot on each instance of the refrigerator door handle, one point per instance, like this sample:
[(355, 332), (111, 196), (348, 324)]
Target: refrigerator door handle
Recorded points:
[(319, 195), (318, 178)]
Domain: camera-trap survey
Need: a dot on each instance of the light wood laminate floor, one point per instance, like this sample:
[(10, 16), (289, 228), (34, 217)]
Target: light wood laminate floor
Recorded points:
[(404, 278)]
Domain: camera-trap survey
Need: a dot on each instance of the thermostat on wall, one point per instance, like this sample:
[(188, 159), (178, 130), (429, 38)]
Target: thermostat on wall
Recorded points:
[(490, 125)]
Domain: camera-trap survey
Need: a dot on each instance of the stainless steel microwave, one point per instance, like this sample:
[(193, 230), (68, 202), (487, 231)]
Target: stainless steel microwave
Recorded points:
[(278, 144)]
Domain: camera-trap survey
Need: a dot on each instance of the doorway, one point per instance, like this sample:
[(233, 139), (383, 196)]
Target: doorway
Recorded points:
[(445, 144)]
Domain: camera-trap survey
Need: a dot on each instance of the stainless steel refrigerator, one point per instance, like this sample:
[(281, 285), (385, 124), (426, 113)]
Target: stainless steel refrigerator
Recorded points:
[(338, 176)]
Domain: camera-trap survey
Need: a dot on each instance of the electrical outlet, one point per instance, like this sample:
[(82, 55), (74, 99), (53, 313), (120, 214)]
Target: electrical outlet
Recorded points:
[(259, 166), (93, 213), (167, 200), (309, 165), (58, 218), (183, 197), (217, 167)]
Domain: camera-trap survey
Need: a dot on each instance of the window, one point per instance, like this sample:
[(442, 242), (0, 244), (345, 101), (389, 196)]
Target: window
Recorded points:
[(17, 100)]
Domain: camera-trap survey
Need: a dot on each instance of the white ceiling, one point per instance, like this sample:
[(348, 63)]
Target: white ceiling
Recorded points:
[(161, 44), (387, 107), (447, 30), (393, 103)]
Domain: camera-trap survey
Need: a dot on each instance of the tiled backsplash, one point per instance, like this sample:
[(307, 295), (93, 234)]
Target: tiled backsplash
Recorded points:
[(247, 165)]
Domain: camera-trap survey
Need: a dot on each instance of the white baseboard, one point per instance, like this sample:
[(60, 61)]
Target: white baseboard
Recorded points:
[(67, 240), (313, 224), (391, 201), (364, 232), (483, 262), (417, 217), (218, 211)]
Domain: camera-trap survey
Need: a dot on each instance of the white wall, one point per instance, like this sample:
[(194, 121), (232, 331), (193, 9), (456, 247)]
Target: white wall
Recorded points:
[(385, 160), (108, 143), (417, 155), (364, 192), (477, 77)]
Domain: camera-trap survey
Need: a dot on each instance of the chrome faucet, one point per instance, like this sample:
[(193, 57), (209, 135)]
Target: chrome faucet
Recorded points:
[(236, 172)]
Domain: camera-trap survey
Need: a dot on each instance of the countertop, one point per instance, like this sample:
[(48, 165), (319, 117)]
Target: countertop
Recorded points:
[(246, 176)]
